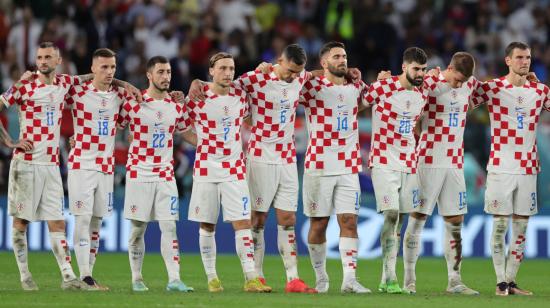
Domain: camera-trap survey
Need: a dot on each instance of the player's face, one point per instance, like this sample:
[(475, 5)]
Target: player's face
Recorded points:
[(159, 76), (223, 72), (520, 61), (415, 73), (289, 70), (336, 61), (104, 69), (456, 79), (47, 59)]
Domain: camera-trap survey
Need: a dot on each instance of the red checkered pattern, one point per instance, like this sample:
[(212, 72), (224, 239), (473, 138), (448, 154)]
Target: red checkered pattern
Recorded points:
[(218, 120), (353, 254), (394, 116), (441, 141), (95, 115), (273, 105), (518, 253), (40, 113), (94, 238), (331, 114), (514, 114), (152, 125)]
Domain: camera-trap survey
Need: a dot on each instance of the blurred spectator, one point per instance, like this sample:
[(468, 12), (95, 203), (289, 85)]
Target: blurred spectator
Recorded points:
[(24, 36)]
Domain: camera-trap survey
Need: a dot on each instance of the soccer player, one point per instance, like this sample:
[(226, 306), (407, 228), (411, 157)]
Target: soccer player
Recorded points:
[(95, 105), (219, 171), (397, 104), (440, 161), (331, 182), (35, 191), (514, 105), (271, 163), (151, 192)]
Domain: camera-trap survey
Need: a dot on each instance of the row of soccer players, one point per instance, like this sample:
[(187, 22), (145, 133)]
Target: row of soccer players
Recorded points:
[(332, 161)]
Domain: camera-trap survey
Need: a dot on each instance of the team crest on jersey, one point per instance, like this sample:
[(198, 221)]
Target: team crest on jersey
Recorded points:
[(133, 209), (159, 115), (341, 98), (50, 96), (79, 204), (408, 104), (520, 100), (103, 103), (285, 93), (453, 94), (226, 110)]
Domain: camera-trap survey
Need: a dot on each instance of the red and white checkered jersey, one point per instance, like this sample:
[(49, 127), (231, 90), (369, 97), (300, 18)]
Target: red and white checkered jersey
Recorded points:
[(394, 115), (273, 105), (152, 125), (40, 109), (331, 117), (95, 115), (441, 140), (514, 113), (218, 120)]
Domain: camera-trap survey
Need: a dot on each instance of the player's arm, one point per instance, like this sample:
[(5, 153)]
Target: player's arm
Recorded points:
[(23, 144)]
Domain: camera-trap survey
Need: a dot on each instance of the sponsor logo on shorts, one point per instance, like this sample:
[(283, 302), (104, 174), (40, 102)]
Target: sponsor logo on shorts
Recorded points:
[(79, 204), (416, 198), (133, 209)]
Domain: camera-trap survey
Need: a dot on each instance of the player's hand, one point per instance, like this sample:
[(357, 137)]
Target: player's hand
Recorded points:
[(383, 75), (532, 77), (27, 75), (196, 92), (264, 67), (23, 144), (130, 138), (72, 143), (434, 72), (354, 75), (135, 92), (178, 96)]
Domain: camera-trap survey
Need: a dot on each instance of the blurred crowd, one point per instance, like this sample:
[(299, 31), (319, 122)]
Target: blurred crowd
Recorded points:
[(188, 31)]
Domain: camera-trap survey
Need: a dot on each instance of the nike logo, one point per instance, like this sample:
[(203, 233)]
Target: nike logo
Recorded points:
[(454, 103), (226, 119), (519, 108), (405, 113), (284, 101), (102, 111), (341, 106), (158, 124)]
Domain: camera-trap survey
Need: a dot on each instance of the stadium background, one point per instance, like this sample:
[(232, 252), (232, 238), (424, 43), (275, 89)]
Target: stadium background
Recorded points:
[(189, 31)]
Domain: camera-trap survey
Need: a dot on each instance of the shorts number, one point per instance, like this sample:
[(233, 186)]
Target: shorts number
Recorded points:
[(245, 206), (405, 126), (110, 201), (461, 200), (174, 206), (357, 205), (533, 201), (342, 123), (158, 140), (416, 198), (453, 119), (103, 128)]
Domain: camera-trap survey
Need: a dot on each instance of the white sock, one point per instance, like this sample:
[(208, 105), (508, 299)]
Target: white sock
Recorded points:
[(517, 246), (62, 254), (19, 243), (318, 256), (245, 250), (95, 226), (259, 250), (136, 248), (411, 248), (388, 241), (169, 248), (348, 254), (452, 245), (81, 244), (500, 226), (207, 243), (286, 241)]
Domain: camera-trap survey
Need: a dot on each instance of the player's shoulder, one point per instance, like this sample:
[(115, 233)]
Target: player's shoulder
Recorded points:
[(539, 86)]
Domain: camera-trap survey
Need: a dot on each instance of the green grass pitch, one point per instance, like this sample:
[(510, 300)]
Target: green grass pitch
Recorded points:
[(113, 270)]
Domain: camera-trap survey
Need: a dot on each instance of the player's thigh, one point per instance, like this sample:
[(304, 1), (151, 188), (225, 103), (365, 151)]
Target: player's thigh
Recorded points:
[(204, 205), (286, 197), (166, 206), (386, 185), (103, 204), (452, 200), (431, 183), (525, 201), (318, 193), (235, 200), (409, 194), (81, 185), (499, 193), (52, 198), (347, 194), (22, 202), (263, 181), (138, 200)]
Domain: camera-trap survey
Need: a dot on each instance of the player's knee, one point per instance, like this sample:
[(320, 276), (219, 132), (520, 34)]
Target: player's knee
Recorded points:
[(318, 225), (286, 219), (391, 216), (420, 216), (208, 227), (20, 224), (458, 219), (348, 223), (258, 219), (56, 225), (242, 225)]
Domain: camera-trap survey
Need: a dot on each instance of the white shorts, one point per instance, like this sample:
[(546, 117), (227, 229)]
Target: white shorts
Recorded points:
[(272, 184), (509, 194), (325, 195), (444, 187), (206, 198), (35, 192), (90, 193), (395, 190), (146, 201)]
